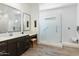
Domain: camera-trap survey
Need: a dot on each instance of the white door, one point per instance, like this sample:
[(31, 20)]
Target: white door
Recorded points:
[(50, 29)]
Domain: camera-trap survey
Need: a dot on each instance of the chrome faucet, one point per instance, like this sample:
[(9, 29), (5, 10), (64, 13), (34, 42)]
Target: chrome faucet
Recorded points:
[(10, 34)]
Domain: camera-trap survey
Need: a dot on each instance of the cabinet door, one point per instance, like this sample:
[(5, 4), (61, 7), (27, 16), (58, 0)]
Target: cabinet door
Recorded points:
[(26, 42), (3, 48), (22, 45), (19, 46), (12, 47)]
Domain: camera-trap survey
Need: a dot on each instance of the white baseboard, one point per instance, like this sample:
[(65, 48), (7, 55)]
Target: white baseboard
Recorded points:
[(69, 44), (51, 44)]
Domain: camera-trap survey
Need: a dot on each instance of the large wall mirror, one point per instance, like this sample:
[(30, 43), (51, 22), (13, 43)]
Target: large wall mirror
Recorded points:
[(26, 22), (14, 20), (10, 19)]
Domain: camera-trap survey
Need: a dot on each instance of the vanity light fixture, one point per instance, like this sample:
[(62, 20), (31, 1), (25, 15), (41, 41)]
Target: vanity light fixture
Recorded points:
[(27, 23), (35, 23)]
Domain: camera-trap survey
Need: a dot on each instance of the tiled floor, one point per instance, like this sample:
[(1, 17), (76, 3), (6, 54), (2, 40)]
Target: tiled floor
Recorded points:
[(44, 50)]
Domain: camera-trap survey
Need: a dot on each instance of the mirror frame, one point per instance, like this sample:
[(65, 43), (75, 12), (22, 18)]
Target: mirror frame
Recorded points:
[(26, 22)]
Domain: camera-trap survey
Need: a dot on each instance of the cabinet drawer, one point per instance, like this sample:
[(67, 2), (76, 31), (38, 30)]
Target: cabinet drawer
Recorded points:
[(12, 40)]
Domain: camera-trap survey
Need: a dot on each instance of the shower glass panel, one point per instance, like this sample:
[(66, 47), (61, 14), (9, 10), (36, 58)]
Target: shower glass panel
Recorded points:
[(50, 29)]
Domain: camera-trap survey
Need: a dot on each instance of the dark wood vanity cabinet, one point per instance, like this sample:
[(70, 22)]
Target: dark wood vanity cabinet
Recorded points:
[(16, 46)]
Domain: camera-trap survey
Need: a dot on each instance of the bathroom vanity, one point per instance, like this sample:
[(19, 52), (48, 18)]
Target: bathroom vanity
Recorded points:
[(14, 46), (13, 21)]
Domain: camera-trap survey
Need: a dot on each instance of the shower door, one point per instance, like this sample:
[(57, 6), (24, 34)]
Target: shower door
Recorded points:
[(50, 29)]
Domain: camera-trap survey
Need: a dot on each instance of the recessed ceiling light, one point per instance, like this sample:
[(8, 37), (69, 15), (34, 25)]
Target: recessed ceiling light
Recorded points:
[(18, 12), (16, 20)]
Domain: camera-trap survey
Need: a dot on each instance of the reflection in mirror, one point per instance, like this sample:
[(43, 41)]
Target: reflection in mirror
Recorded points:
[(4, 19), (26, 22), (10, 19), (15, 22)]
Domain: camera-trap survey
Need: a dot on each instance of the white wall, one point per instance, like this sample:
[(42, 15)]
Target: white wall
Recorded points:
[(35, 16), (45, 6), (77, 14), (68, 16), (69, 20)]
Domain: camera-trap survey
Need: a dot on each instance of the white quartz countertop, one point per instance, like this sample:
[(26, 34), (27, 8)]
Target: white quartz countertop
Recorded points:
[(4, 38)]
